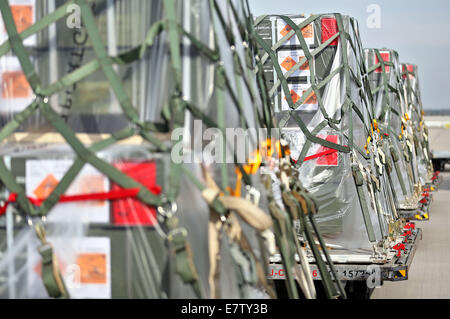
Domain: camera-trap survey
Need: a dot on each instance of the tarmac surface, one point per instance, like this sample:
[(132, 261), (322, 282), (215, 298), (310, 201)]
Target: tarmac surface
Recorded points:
[(429, 275)]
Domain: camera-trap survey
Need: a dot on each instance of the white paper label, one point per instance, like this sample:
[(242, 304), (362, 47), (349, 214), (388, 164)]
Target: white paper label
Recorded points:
[(287, 59), (297, 91), (42, 176), (283, 28)]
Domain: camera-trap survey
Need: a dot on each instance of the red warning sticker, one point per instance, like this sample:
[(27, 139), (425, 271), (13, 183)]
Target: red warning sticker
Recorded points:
[(329, 29), (131, 211), (386, 58), (410, 69), (332, 158)]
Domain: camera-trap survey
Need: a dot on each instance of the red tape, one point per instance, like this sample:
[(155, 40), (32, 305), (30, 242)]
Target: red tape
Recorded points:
[(327, 152), (111, 195)]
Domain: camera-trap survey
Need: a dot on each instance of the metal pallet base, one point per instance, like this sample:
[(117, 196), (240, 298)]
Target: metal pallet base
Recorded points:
[(422, 213), (415, 214), (395, 270)]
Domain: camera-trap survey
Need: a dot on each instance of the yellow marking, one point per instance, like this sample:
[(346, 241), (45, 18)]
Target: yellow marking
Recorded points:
[(418, 217), (425, 215), (403, 272)]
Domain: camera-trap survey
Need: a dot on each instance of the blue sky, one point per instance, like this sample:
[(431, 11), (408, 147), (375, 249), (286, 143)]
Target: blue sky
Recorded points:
[(418, 30)]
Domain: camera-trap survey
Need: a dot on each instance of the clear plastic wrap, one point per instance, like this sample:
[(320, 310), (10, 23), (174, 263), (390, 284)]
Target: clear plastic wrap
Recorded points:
[(329, 94), (390, 109), (410, 78), (123, 248)]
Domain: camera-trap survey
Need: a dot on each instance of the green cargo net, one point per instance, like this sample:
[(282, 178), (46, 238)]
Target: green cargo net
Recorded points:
[(387, 90), (173, 117), (318, 38), (410, 79), (319, 80)]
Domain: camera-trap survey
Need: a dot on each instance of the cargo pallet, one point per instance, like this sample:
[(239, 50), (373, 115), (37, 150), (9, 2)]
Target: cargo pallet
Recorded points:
[(353, 271)]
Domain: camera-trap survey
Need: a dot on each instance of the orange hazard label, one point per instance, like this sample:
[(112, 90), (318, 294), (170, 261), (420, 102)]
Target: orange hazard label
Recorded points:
[(295, 96), (92, 268), (15, 85), (307, 31), (289, 63), (46, 187), (23, 16), (311, 99)]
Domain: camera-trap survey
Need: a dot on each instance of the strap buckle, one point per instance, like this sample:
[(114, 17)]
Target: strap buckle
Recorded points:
[(167, 209), (253, 195)]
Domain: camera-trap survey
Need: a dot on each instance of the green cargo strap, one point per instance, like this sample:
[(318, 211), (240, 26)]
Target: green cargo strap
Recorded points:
[(396, 158), (376, 184), (244, 264), (76, 167), (184, 264), (282, 81), (87, 155), (388, 165), (301, 194), (359, 183), (10, 181), (295, 210), (280, 225), (59, 13), (51, 276)]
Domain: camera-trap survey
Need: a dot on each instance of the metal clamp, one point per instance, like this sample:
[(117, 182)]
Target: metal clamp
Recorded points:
[(253, 195), (168, 212)]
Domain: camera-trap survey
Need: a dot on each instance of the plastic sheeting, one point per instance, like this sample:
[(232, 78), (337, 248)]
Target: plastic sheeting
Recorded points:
[(125, 255), (329, 177), (410, 77), (390, 109)]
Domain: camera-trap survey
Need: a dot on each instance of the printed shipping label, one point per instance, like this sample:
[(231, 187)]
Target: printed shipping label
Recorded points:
[(42, 176), (84, 263), (297, 91), (90, 276), (284, 28), (288, 59)]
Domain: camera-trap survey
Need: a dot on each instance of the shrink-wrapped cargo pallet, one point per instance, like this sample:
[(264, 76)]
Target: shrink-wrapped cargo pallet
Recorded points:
[(316, 72), (410, 78), (393, 126)]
